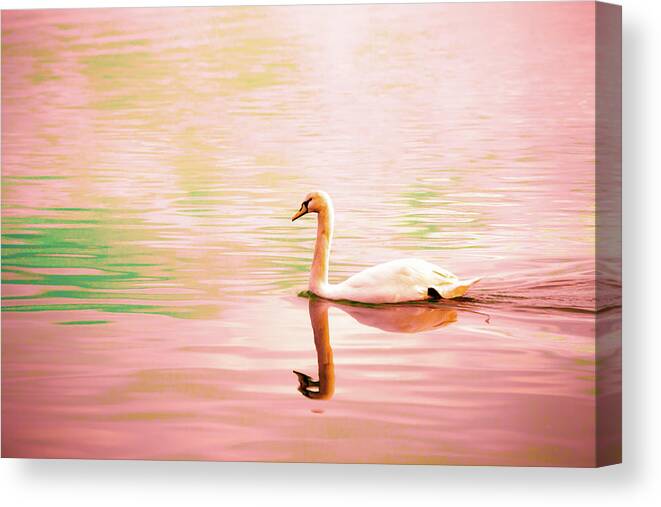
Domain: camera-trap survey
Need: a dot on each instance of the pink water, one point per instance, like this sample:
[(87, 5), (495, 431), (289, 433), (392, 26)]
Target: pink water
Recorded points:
[(151, 162)]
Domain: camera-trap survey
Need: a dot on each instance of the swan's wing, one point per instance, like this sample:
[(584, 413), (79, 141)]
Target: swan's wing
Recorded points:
[(457, 289), (387, 273), (395, 281)]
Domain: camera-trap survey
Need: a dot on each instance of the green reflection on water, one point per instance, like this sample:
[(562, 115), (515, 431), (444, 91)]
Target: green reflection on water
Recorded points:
[(83, 322), (199, 312), (101, 261)]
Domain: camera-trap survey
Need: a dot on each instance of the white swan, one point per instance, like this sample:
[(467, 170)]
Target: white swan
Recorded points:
[(391, 282)]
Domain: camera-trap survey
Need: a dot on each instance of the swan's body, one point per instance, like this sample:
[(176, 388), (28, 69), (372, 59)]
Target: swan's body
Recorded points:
[(398, 281), (391, 282)]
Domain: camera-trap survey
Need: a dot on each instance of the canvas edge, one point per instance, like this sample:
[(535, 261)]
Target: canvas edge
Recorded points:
[(608, 231)]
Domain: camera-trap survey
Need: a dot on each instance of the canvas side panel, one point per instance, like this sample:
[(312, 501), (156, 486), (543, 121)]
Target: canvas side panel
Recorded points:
[(608, 143)]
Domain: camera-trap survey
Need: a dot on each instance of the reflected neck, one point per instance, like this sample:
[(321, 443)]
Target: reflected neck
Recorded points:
[(326, 369), (319, 271)]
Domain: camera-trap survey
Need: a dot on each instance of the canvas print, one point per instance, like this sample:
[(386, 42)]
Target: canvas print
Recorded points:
[(341, 234)]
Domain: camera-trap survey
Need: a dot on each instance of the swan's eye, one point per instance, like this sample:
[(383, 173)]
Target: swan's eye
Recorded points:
[(305, 203)]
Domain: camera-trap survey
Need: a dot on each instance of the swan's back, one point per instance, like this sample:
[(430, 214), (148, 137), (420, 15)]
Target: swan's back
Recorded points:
[(396, 281)]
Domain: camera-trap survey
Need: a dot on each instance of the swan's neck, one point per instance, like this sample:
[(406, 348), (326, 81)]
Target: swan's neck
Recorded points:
[(320, 261)]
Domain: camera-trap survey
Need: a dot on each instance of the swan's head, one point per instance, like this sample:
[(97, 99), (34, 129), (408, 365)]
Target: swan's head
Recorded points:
[(315, 202)]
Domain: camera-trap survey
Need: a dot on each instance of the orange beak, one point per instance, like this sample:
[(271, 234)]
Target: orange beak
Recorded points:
[(299, 213)]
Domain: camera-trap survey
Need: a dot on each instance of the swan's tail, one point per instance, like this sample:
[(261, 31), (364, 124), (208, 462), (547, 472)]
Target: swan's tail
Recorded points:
[(458, 289)]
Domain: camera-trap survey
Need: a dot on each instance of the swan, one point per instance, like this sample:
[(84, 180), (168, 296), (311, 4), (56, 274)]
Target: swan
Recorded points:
[(396, 281)]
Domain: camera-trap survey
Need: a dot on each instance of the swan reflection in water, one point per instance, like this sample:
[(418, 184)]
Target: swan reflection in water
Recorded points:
[(323, 388), (394, 319)]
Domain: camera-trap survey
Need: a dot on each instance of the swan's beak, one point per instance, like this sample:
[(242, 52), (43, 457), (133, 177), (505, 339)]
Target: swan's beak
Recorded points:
[(299, 213)]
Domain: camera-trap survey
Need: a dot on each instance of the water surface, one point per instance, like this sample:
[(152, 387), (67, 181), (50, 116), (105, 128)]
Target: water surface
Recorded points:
[(152, 160)]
